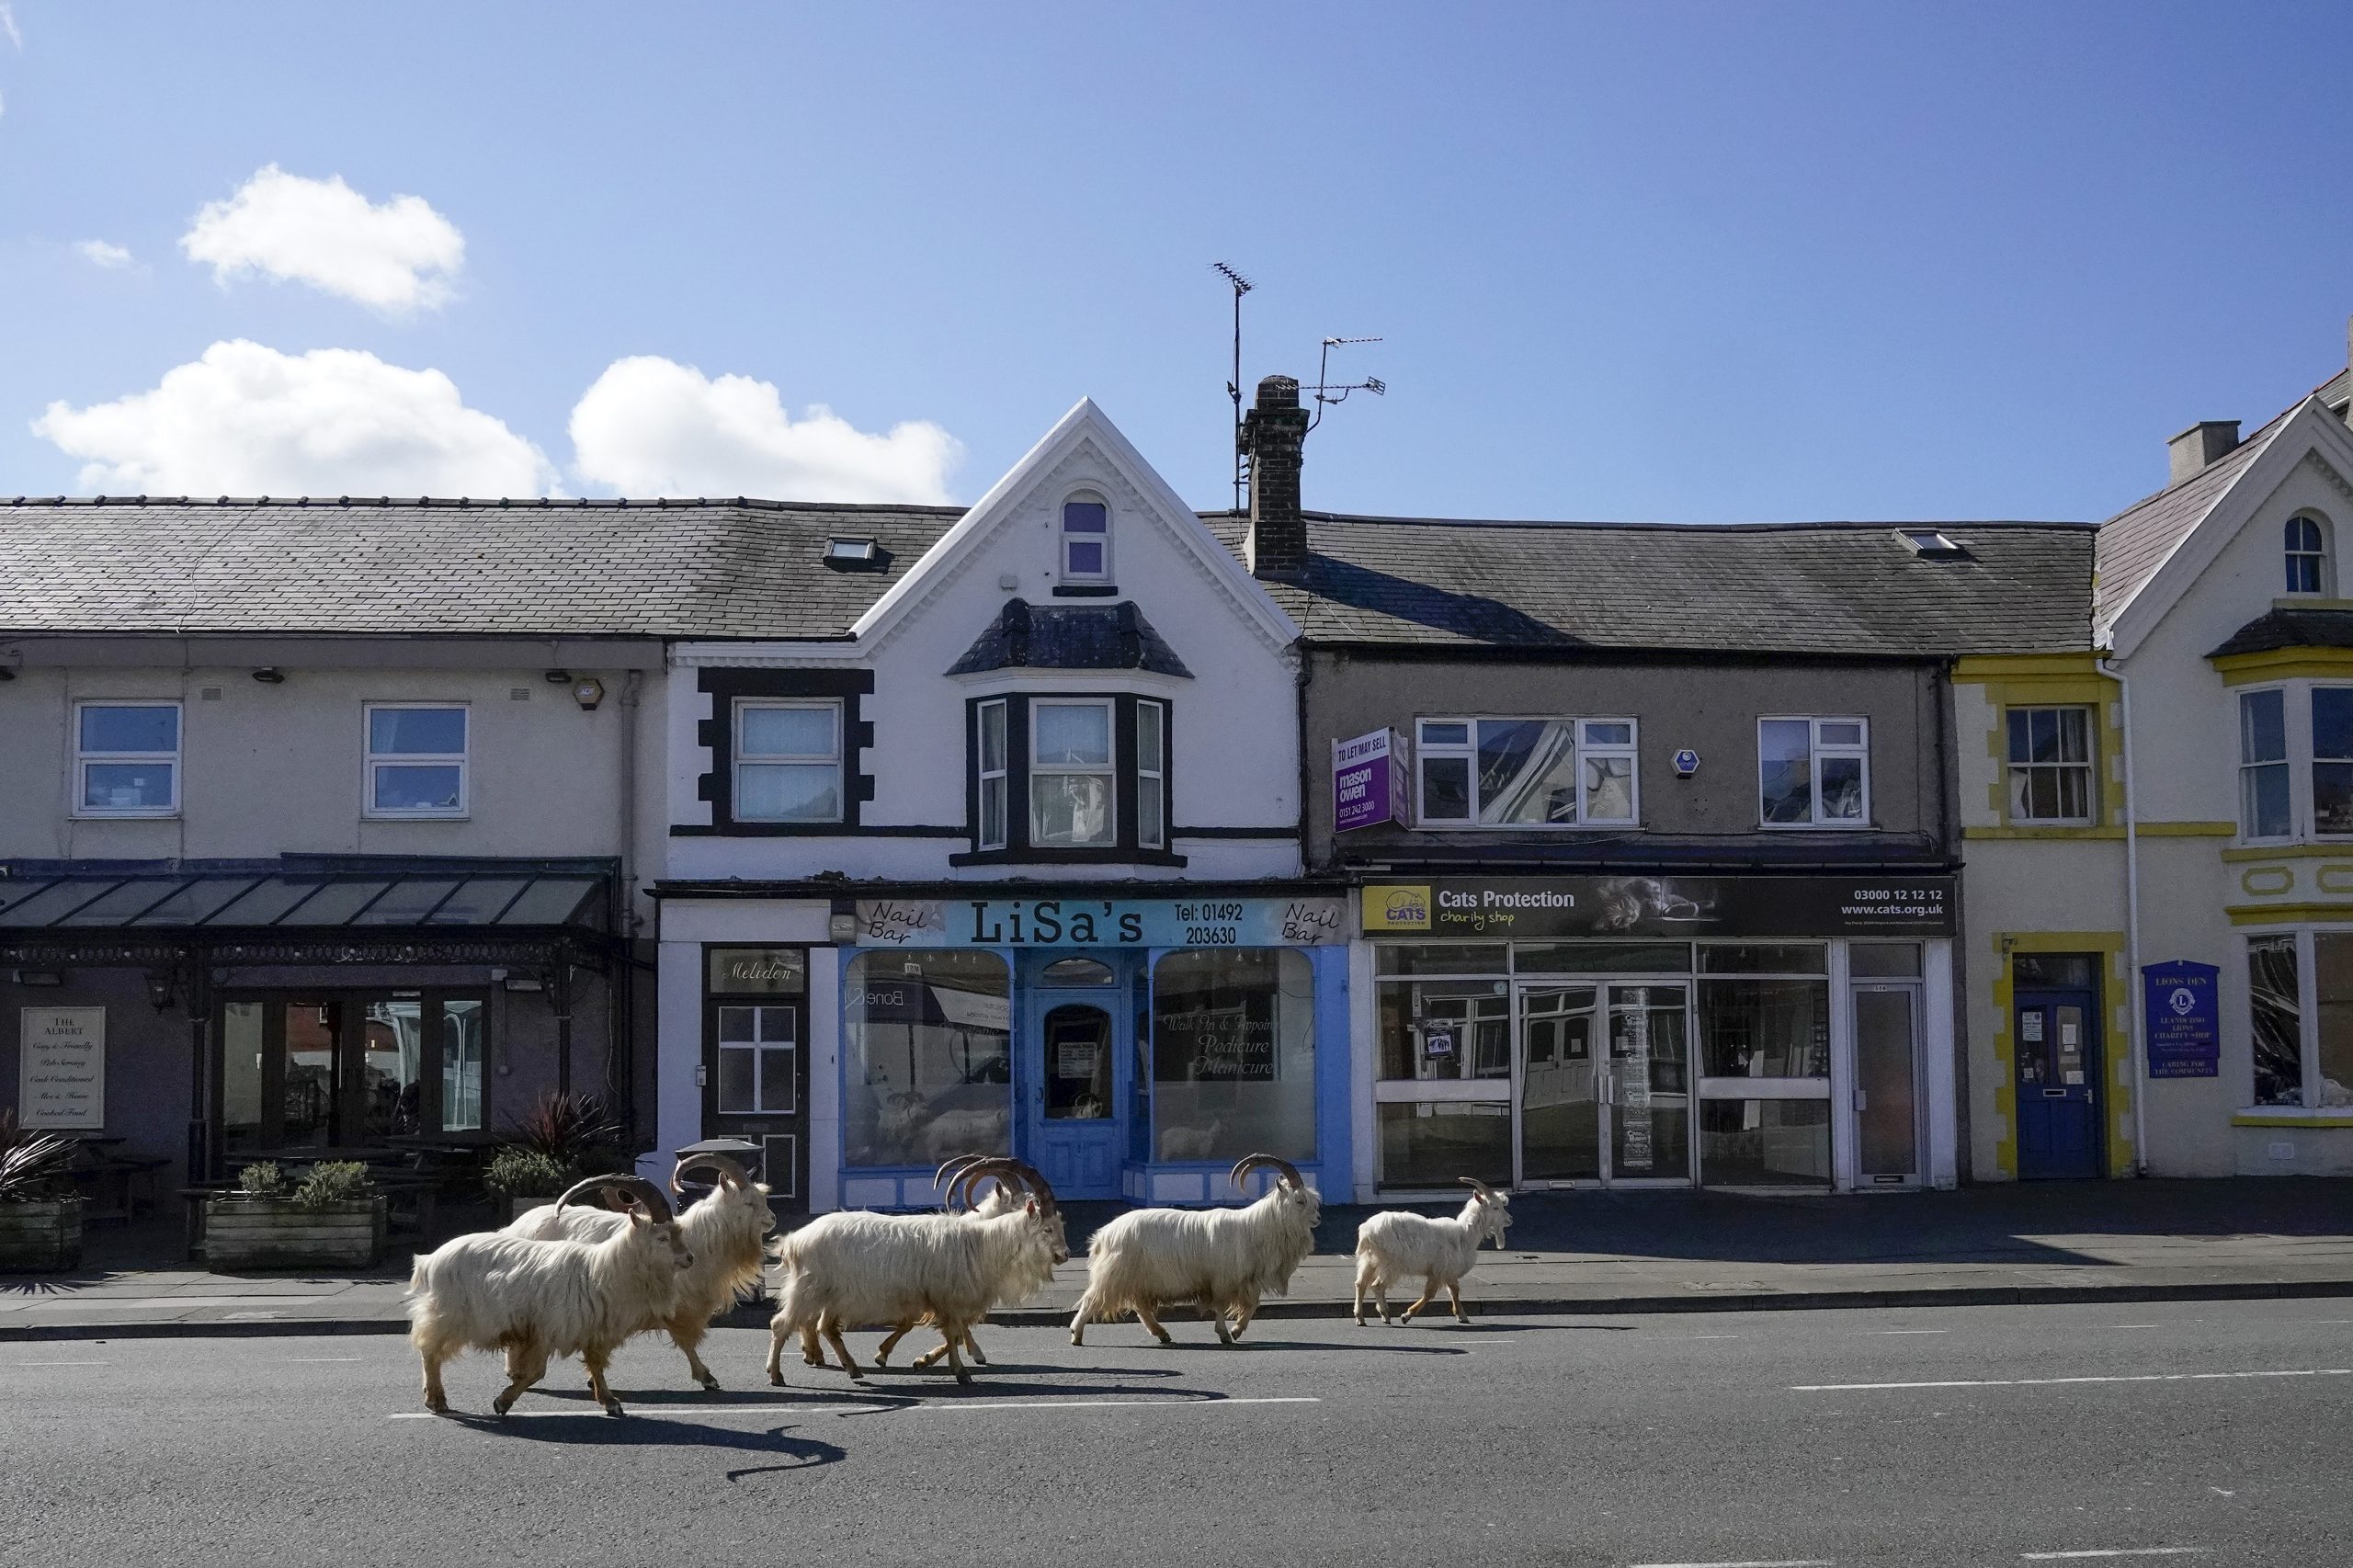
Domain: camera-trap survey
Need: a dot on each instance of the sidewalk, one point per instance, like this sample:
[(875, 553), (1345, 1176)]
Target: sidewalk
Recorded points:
[(1570, 1253)]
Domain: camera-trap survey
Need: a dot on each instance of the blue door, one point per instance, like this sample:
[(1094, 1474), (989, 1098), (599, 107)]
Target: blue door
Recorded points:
[(1072, 1086), (2056, 1035)]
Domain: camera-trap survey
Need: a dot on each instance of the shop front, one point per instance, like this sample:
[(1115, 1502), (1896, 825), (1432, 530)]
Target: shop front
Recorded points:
[(1773, 1032), (1129, 1047)]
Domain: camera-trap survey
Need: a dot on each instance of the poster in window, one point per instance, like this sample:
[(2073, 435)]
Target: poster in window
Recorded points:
[(61, 1070), (1222, 1045)]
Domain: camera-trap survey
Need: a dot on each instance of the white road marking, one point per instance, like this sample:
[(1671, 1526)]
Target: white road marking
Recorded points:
[(1699, 1336), (2113, 1551), (12, 1366), (1916, 1331), (815, 1407), (2136, 1325), (1749, 1563), (316, 1360), (1097, 1404), (2053, 1382)]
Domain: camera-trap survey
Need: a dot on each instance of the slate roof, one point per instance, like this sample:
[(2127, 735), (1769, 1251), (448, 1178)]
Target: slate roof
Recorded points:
[(1070, 637), (2137, 541), (2291, 628), (1834, 588), (703, 569)]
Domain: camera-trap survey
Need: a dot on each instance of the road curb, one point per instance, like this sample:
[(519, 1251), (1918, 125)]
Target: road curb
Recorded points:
[(1534, 1306)]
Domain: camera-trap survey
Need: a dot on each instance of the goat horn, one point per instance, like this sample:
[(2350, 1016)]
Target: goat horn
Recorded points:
[(657, 1203), (1039, 1188), (984, 1165), (1483, 1189), (950, 1172), (1284, 1168), (730, 1173)]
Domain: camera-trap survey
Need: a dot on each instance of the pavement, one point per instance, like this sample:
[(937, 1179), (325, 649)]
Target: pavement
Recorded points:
[(1578, 1252), (1936, 1438)]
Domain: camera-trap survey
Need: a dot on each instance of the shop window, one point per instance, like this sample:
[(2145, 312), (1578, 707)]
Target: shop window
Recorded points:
[(1457, 957), (1233, 1054), (2307, 555), (1071, 773), (1077, 971), (1813, 772), (1764, 1028), (2276, 1019), (2263, 765), (461, 1064), (1426, 1143), (1527, 772), (2301, 1062), (1601, 957), (416, 759), (2050, 764), (1883, 960), (1762, 1142), (759, 1070), (352, 1070), (1086, 541), (926, 1057), (1764, 958), (127, 759), (788, 760), (1446, 1030)]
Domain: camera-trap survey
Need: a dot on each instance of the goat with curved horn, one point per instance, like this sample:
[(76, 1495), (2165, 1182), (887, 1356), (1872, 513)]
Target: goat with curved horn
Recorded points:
[(1281, 1167), (731, 1174), (657, 1203), (1224, 1259), (1400, 1245)]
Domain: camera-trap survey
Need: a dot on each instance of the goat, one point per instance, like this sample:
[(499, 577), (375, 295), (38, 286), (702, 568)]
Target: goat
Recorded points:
[(908, 1123), (1398, 1245), (1225, 1259), (727, 1228), (849, 1269), (1013, 1182), (1195, 1141), (535, 1299)]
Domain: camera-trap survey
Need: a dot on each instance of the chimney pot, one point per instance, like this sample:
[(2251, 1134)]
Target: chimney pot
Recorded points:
[(2198, 446), (1274, 433)]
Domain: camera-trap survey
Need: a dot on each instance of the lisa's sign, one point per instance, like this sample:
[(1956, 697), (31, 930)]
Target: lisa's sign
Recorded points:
[(1309, 920), (61, 1070)]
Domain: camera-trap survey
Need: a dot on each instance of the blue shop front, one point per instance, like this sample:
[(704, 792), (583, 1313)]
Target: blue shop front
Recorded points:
[(1130, 1047)]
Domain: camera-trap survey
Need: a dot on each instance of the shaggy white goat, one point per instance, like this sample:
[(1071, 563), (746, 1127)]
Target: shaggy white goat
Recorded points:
[(1397, 1246), (845, 1268), (1012, 1184), (727, 1229), (534, 1300), (1226, 1259)]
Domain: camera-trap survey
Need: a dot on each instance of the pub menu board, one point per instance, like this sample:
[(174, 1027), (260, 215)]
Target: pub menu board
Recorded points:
[(61, 1070)]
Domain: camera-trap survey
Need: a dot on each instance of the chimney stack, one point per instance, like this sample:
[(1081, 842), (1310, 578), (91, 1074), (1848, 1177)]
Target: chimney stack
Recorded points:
[(1274, 433), (2199, 444)]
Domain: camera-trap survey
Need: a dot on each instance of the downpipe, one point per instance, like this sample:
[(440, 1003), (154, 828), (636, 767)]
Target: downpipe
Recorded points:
[(2139, 1042)]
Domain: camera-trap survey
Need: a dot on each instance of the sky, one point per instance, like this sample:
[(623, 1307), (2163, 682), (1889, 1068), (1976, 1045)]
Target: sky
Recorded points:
[(1663, 261)]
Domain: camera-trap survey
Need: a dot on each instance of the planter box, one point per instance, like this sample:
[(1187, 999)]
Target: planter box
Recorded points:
[(40, 1238), (278, 1233), (518, 1207)]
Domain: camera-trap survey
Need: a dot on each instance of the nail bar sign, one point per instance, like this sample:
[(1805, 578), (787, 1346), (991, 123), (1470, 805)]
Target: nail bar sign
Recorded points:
[(61, 1070)]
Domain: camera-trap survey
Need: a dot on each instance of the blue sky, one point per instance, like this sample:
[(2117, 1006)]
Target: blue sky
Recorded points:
[(1707, 263)]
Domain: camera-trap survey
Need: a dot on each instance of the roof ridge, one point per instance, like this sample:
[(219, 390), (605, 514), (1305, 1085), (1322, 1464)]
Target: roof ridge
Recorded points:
[(1784, 527), (493, 504)]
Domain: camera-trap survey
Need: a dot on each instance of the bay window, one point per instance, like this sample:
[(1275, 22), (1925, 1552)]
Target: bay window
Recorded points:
[(2300, 999), (2295, 761), (1072, 773), (994, 777), (1069, 777), (1527, 772)]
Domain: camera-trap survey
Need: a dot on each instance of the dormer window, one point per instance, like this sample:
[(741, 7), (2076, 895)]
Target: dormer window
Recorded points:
[(1086, 541), (2307, 556)]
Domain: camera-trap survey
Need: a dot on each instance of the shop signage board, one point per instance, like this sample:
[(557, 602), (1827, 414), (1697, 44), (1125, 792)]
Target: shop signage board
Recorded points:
[(1309, 921), (61, 1070), (2182, 1004), (1368, 782), (1538, 908)]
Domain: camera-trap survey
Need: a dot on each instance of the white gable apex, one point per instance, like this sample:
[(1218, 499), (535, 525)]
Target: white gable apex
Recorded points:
[(1083, 441), (2312, 433)]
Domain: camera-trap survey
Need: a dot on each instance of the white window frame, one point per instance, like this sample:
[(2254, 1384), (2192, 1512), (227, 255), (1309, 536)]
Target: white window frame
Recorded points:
[(1817, 749), (373, 759), (758, 1046), (1108, 769), (2320, 557), (1000, 709), (2297, 812), (83, 759), (2306, 941), (1467, 748), (832, 707), (1152, 827), (1064, 539), (2012, 766)]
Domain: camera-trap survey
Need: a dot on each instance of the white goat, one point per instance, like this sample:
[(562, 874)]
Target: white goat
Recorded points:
[(1398, 1245), (845, 1269), (1012, 1183), (908, 1121), (1223, 1258), (534, 1300), (727, 1229)]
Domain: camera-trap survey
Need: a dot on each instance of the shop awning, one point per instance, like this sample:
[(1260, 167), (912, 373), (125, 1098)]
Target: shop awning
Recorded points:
[(298, 901)]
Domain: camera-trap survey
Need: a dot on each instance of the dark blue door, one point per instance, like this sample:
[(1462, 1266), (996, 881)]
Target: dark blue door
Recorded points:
[(1074, 1090), (2056, 1035)]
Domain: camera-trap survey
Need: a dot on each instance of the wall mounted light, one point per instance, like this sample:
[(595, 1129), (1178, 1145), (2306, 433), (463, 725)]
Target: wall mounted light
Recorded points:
[(557, 677), (163, 987), (270, 675), (588, 691)]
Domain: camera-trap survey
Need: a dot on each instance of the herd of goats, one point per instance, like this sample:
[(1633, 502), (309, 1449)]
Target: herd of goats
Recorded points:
[(569, 1279)]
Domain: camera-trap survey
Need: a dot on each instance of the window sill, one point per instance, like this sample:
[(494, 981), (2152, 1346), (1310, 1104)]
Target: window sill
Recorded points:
[(1114, 856), (1085, 591), (2292, 1116), (1817, 828), (417, 817), (123, 816), (1452, 826)]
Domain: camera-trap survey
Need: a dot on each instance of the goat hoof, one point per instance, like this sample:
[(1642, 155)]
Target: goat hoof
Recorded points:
[(776, 1380), (615, 1409), (709, 1384)]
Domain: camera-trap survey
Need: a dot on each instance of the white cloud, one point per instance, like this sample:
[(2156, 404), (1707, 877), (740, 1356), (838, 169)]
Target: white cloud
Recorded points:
[(9, 26), (651, 426), (100, 253), (394, 257), (246, 420)]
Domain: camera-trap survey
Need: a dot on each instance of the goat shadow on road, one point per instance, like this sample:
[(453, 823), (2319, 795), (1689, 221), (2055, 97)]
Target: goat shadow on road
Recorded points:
[(595, 1429)]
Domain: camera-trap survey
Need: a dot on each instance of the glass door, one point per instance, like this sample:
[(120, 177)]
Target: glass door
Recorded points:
[(1073, 1132), (1560, 1082), (1649, 1134), (1887, 1100)]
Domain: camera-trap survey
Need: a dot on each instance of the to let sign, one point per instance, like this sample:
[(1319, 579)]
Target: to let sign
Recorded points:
[(2183, 1008), (1368, 782), (61, 1070)]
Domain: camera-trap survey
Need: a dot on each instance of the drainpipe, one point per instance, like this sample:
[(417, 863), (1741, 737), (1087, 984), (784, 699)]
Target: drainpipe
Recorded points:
[(2132, 927)]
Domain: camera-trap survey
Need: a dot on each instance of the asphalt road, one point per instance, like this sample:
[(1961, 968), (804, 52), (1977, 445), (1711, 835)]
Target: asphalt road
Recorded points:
[(2211, 1433)]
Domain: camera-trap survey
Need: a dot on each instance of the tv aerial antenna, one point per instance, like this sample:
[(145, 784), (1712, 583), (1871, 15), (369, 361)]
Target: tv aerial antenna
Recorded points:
[(1328, 396), (1234, 388)]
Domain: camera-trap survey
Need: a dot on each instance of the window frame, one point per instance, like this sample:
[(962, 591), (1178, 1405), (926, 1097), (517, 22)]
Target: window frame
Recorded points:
[(2304, 947), (1153, 821), (2293, 558), (1001, 710), (1064, 571), (1817, 750), (1467, 750), (2012, 766), (738, 759), (757, 1047), (1108, 769), (372, 759), (84, 759)]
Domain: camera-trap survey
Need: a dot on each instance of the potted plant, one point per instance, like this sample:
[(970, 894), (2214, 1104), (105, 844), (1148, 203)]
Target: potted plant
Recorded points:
[(41, 1214), (562, 1139), (523, 1178), (332, 1217)]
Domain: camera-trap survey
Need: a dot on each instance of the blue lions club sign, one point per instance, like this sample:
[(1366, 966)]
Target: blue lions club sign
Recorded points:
[(2183, 1012)]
